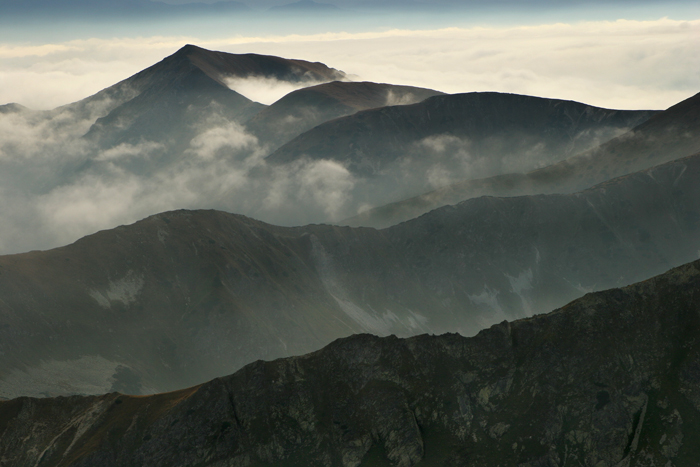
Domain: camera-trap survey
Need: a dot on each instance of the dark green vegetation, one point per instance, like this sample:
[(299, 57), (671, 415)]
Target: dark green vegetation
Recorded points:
[(611, 379), (182, 297)]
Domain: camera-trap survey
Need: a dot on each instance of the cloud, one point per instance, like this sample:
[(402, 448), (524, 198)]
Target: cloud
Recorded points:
[(127, 150), (226, 136), (393, 98), (266, 90), (616, 64), (55, 186)]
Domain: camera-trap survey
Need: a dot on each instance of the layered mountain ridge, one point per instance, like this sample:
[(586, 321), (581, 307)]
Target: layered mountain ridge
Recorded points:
[(666, 136), (484, 125), (184, 296), (302, 110), (610, 379), (190, 86)]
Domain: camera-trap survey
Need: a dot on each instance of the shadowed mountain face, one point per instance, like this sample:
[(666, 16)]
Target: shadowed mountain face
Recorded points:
[(177, 96), (477, 133), (185, 296), (610, 379), (666, 136), (306, 108)]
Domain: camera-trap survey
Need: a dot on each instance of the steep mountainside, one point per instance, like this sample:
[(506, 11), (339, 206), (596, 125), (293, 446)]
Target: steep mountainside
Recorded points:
[(666, 136), (173, 97), (477, 133), (185, 296), (306, 108), (612, 379)]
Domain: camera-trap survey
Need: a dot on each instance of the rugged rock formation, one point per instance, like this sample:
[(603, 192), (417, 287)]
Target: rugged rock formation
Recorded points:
[(182, 297), (666, 136), (612, 379)]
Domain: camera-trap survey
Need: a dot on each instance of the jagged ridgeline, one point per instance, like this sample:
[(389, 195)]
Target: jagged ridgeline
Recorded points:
[(612, 379)]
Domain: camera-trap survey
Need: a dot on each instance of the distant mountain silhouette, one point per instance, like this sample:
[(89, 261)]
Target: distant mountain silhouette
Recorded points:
[(668, 135), (187, 87), (306, 108), (478, 134), (184, 296)]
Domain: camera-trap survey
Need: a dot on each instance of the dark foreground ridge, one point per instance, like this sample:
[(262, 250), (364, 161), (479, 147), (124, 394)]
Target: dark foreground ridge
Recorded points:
[(612, 379)]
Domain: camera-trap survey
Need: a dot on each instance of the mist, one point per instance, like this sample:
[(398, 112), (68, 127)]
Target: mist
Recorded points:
[(650, 64), (57, 186)]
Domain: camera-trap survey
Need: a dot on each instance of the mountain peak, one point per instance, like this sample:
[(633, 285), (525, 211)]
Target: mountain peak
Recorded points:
[(222, 65)]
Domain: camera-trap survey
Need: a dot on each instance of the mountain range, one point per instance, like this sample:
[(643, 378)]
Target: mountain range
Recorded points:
[(174, 96), (304, 109), (666, 136), (609, 379), (494, 130), (184, 296), (380, 337)]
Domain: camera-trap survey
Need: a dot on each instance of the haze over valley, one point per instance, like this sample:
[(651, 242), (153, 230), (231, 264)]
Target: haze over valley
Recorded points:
[(462, 245)]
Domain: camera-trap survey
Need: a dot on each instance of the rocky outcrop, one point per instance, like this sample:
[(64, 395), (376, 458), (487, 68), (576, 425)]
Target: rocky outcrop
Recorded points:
[(609, 380)]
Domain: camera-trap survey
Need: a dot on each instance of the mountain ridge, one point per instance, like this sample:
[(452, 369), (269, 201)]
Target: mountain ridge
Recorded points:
[(303, 109), (665, 136), (190, 84), (556, 388), (183, 296)]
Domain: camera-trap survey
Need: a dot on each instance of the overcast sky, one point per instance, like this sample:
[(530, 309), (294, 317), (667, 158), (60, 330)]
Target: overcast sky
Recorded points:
[(617, 63)]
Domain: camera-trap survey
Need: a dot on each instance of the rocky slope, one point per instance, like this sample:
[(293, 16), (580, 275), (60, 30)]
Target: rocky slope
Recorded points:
[(609, 380), (301, 110), (182, 297), (666, 136)]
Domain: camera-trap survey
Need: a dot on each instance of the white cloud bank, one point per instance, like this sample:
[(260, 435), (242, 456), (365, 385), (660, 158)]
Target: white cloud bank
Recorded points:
[(55, 188), (616, 64)]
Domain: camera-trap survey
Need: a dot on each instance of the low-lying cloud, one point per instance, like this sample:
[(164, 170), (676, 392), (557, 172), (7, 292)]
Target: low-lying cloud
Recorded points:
[(56, 186), (615, 64), (266, 90)]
